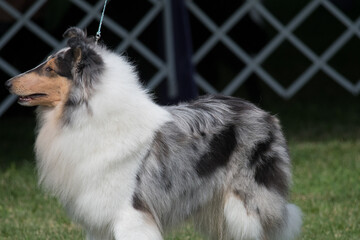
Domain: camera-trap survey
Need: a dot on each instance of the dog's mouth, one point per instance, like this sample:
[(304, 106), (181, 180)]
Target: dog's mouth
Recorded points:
[(28, 98)]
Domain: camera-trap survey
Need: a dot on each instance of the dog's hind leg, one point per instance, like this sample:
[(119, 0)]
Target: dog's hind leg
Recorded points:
[(136, 225), (272, 219), (292, 226), (240, 224)]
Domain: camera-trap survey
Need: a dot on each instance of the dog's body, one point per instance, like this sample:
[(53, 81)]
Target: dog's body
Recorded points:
[(126, 168)]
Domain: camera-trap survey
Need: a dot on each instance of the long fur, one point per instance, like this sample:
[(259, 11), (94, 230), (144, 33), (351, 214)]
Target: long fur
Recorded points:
[(126, 168)]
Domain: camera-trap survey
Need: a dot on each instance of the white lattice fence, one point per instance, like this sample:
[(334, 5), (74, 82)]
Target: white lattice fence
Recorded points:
[(165, 69), (285, 32)]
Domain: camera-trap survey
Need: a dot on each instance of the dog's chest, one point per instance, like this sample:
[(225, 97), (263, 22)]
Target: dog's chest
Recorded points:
[(90, 175)]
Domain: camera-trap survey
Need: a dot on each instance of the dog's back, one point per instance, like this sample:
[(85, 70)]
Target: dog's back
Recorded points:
[(225, 160)]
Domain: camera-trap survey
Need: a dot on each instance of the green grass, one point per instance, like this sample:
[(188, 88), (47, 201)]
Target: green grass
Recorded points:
[(27, 213), (326, 187), (326, 168)]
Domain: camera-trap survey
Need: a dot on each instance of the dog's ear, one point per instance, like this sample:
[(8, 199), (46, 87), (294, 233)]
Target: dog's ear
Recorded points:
[(82, 50), (85, 62), (77, 44), (84, 57), (76, 36), (77, 54), (75, 32)]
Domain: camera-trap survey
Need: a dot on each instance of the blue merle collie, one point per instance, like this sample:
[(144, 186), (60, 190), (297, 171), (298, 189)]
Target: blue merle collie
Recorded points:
[(126, 168)]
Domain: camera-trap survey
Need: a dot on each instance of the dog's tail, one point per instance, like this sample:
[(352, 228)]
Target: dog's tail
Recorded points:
[(293, 222)]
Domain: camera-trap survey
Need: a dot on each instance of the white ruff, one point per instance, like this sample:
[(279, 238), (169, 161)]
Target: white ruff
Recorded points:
[(83, 163)]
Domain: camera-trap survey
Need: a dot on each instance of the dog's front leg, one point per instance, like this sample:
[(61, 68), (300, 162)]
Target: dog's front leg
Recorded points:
[(136, 225)]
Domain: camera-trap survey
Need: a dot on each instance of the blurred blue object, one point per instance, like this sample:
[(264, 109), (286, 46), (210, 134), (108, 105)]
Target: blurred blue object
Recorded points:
[(182, 45)]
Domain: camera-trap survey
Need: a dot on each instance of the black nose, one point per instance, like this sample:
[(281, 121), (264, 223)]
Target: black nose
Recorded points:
[(8, 84)]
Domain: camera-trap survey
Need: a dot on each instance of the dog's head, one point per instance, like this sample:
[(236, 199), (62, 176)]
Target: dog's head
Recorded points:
[(67, 76)]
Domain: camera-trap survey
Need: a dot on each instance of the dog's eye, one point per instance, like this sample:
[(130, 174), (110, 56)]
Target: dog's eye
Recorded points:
[(49, 69)]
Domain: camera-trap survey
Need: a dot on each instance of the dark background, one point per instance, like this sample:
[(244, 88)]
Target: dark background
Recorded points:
[(321, 105)]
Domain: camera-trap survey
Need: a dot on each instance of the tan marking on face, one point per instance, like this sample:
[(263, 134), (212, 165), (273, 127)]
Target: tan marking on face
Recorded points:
[(51, 63), (53, 90)]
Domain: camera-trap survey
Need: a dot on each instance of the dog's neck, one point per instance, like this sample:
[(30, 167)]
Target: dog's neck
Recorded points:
[(120, 119)]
